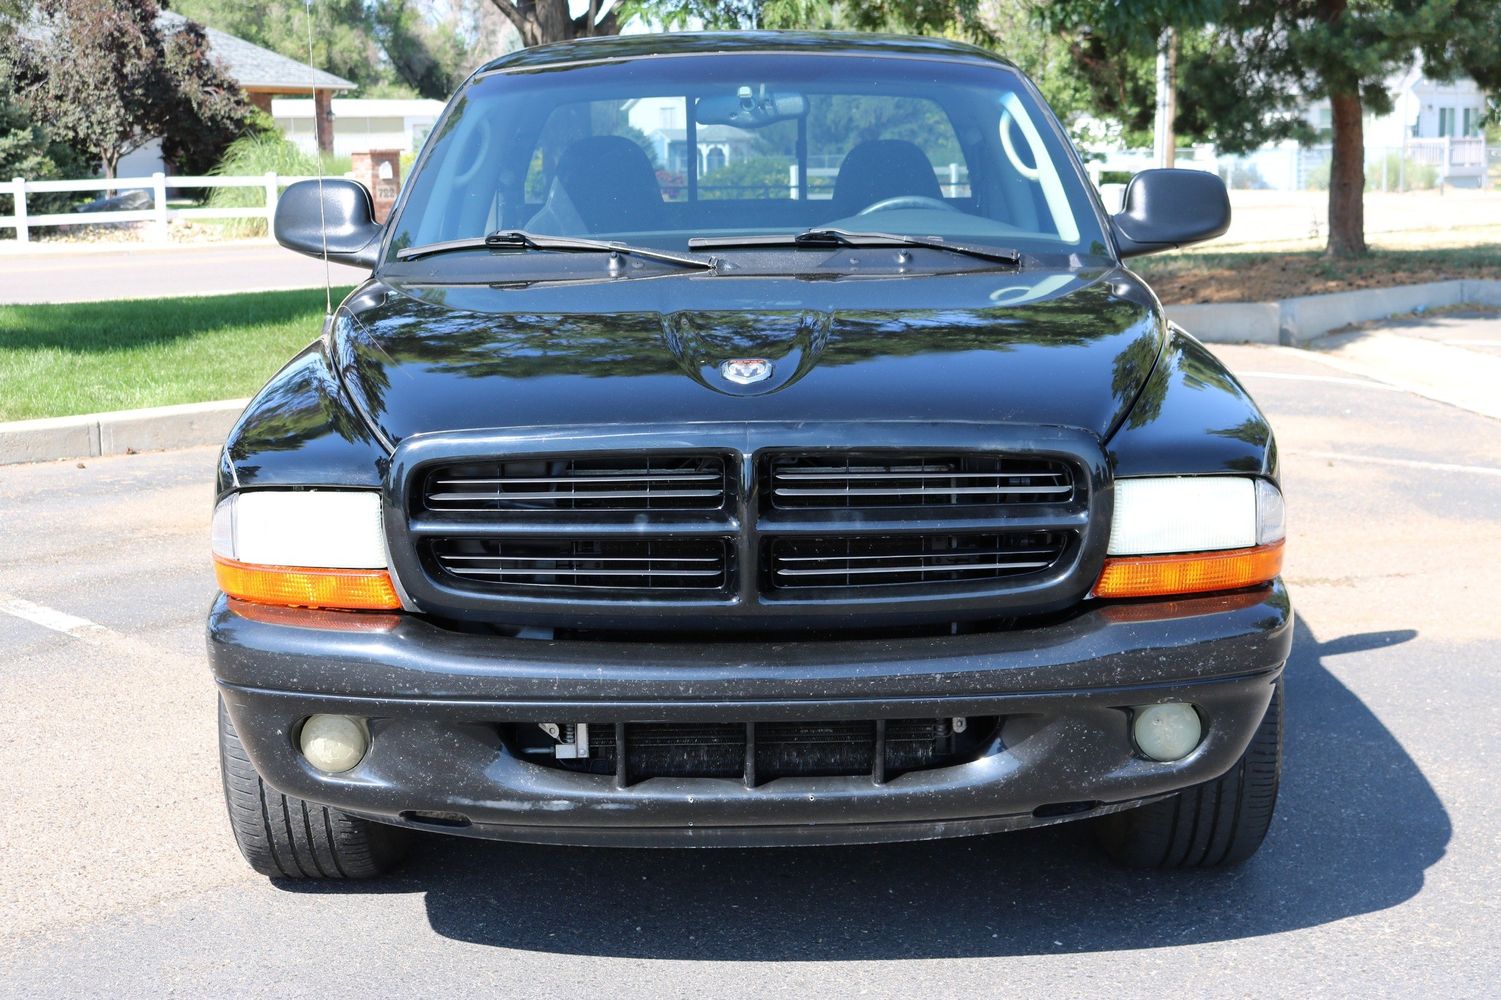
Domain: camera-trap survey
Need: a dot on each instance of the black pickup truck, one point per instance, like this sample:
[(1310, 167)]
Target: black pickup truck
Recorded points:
[(748, 439)]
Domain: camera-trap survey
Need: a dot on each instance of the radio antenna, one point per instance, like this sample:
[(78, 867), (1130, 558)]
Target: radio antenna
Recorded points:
[(328, 293)]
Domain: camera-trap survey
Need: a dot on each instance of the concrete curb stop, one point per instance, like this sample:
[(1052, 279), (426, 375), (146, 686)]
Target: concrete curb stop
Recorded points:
[(1294, 322), (93, 434)]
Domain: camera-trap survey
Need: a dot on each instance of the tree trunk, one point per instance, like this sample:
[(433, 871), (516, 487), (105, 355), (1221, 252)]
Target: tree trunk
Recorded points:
[(543, 21), (1164, 138), (1347, 179)]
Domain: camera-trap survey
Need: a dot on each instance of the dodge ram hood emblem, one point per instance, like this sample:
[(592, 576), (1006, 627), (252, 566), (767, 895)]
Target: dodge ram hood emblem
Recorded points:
[(746, 371)]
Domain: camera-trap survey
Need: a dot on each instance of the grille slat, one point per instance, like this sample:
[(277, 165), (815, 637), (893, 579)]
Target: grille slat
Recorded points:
[(621, 566), (896, 480), (563, 484), (922, 491), (761, 751), (908, 559)]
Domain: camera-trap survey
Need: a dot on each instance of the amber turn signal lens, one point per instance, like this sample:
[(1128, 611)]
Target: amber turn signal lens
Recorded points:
[(306, 587), (1193, 573)]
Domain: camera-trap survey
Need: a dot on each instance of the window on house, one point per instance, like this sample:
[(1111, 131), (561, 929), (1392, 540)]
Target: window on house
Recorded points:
[(1445, 122), (1471, 122)]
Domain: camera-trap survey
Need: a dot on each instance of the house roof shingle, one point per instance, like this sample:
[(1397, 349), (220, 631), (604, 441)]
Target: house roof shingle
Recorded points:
[(255, 68)]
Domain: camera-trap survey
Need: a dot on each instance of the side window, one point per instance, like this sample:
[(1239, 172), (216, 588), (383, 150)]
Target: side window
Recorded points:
[(837, 123)]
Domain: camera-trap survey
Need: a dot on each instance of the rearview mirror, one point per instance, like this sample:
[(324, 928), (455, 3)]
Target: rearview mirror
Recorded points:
[(749, 108), (1166, 209), (337, 210)]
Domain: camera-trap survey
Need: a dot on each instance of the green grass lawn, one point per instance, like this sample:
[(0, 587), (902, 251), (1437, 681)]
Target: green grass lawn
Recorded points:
[(57, 360)]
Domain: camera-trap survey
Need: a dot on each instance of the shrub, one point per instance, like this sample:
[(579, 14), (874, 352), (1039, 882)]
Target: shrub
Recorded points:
[(250, 156)]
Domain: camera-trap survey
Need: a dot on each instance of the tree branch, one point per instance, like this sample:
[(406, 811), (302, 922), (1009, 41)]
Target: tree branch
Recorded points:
[(607, 25), (512, 14)]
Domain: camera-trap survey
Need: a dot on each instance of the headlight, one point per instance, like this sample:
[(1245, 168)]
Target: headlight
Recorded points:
[(313, 549), (1192, 534)]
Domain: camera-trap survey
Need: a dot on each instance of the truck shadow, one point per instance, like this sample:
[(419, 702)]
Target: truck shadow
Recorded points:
[(1356, 828)]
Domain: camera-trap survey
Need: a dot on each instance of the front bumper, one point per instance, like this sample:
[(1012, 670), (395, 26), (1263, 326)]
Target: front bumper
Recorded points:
[(435, 698)]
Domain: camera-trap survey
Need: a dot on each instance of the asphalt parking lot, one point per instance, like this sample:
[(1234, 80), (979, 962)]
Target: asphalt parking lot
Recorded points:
[(1382, 874)]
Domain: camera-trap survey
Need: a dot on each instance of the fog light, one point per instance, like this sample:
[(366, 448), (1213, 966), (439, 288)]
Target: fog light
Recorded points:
[(334, 743), (1167, 732)]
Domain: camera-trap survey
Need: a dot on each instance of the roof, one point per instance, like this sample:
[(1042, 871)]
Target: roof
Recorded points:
[(620, 47), (357, 107), (255, 68)]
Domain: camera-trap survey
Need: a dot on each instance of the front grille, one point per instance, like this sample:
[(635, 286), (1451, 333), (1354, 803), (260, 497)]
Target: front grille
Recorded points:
[(913, 480), (620, 483), (603, 565), (757, 752), (732, 536), (906, 560)]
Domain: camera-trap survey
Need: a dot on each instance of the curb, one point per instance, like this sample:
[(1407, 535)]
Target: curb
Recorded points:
[(118, 433), (1294, 322)]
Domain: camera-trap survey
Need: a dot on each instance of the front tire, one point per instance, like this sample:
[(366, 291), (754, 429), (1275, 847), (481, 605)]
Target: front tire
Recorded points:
[(285, 837), (1221, 822)]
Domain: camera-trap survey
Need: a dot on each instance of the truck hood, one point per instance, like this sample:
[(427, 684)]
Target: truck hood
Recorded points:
[(1061, 348)]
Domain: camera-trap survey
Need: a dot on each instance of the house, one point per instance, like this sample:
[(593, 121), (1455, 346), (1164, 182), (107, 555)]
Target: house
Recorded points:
[(263, 75), (1433, 123), (661, 120), (360, 125)]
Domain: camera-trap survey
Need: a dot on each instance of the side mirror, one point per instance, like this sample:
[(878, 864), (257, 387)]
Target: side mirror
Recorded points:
[(1167, 209), (342, 211)]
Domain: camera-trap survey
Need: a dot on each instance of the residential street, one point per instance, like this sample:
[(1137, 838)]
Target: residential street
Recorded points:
[(1381, 877), (85, 275)]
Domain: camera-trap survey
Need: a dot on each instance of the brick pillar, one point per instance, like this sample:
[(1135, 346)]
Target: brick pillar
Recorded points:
[(323, 119), (260, 100), (380, 171)]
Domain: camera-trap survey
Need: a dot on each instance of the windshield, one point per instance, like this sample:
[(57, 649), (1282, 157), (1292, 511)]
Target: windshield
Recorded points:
[(658, 151)]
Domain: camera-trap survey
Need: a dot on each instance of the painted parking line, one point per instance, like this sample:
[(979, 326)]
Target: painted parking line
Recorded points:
[(1405, 463), (57, 621)]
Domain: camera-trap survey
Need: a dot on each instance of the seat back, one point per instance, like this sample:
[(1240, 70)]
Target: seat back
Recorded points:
[(877, 169), (611, 184)]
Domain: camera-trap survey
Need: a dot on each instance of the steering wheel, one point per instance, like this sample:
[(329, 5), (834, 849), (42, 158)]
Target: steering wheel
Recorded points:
[(906, 201)]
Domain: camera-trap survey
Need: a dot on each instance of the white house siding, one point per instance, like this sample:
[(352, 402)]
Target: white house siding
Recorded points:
[(361, 125)]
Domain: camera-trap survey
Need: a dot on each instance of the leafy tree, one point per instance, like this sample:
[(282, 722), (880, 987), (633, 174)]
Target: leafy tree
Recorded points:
[(959, 18), (26, 150), (105, 80), (344, 34), (386, 47), (430, 56), (1250, 67)]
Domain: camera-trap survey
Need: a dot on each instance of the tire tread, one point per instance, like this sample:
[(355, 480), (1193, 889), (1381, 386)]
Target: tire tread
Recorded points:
[(1221, 822), (282, 836)]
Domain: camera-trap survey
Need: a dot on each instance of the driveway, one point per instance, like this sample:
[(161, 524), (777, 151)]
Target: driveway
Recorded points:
[(1381, 875)]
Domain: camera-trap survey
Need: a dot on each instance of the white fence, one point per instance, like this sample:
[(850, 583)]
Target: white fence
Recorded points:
[(160, 215), (1289, 166)]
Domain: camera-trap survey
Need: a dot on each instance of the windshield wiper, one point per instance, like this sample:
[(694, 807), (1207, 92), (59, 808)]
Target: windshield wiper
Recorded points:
[(845, 238), (520, 239)]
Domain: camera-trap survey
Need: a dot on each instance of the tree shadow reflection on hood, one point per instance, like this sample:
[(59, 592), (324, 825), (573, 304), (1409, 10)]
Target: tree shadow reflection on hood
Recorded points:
[(1357, 826)]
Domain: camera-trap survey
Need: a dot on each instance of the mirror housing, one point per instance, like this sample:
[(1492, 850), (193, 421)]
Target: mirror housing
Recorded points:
[(749, 108), (1165, 209), (343, 210)]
